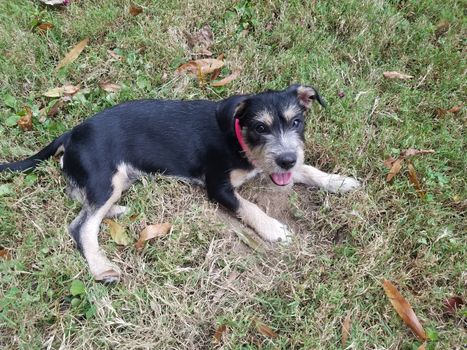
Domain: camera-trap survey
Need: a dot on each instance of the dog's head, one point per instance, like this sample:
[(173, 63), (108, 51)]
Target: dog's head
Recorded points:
[(271, 125)]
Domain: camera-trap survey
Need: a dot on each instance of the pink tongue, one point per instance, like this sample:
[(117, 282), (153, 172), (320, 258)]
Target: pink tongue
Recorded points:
[(281, 179)]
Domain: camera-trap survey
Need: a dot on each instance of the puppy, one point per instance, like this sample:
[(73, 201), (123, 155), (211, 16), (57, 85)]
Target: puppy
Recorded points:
[(219, 144)]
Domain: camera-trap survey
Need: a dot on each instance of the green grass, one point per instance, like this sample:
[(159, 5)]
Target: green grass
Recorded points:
[(177, 292)]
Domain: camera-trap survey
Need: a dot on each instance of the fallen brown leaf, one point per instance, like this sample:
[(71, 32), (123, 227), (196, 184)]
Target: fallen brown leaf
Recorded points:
[(395, 169), (73, 54), (452, 304), (345, 330), (404, 309), (4, 254), (455, 109), (55, 108), (25, 122), (203, 66), (227, 79), (414, 180), (152, 231), (65, 90), (117, 232), (215, 74), (44, 26), (219, 332), (389, 162), (265, 330), (397, 75), (135, 10), (110, 87)]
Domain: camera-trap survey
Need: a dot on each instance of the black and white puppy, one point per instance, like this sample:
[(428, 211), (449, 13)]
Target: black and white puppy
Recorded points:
[(219, 144)]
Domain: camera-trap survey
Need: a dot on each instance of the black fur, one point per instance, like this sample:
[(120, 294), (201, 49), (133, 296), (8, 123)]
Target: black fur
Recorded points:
[(179, 138)]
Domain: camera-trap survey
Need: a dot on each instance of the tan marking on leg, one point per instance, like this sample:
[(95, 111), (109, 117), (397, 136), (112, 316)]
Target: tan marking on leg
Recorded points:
[(100, 266), (59, 150), (238, 176), (265, 117), (311, 176), (268, 228), (291, 112)]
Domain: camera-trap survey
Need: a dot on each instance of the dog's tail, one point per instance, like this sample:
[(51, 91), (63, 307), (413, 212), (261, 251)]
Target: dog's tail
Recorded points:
[(33, 161)]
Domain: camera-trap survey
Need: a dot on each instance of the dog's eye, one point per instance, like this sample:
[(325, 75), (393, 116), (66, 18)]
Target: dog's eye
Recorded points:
[(296, 123), (260, 129)]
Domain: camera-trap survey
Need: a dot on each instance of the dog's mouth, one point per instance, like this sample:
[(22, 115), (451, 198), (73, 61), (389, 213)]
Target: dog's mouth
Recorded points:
[(281, 179)]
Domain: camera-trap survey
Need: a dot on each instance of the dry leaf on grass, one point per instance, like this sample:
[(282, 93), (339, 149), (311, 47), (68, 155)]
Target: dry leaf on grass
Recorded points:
[(4, 254), (65, 90), (404, 309), (441, 112), (25, 122), (110, 87), (135, 10), (395, 169), (215, 74), (117, 232), (345, 330), (203, 66), (452, 304), (219, 332), (152, 231), (44, 26), (73, 54), (227, 79), (55, 108), (397, 75), (265, 330), (455, 109), (389, 162), (414, 180), (395, 165)]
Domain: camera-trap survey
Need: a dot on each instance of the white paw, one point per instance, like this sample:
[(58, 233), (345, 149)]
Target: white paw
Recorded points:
[(342, 184), (116, 211), (275, 231)]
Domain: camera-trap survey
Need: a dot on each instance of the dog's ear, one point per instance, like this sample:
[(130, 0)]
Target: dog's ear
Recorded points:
[(306, 95), (229, 109)]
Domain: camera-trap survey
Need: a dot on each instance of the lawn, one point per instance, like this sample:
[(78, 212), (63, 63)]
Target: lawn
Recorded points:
[(181, 288)]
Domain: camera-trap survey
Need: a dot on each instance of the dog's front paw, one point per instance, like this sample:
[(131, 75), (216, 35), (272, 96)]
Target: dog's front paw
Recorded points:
[(108, 277), (341, 184), (349, 184), (275, 231)]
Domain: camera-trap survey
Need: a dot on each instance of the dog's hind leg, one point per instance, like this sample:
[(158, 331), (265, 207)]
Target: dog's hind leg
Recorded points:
[(311, 176), (85, 228)]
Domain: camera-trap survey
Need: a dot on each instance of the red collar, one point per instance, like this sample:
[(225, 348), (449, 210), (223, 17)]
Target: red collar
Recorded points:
[(241, 141)]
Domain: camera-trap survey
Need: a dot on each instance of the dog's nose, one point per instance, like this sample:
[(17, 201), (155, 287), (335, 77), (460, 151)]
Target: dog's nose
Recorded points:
[(286, 160)]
